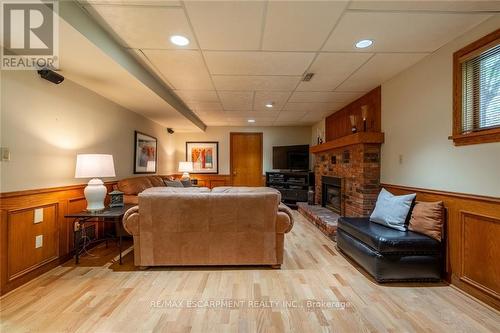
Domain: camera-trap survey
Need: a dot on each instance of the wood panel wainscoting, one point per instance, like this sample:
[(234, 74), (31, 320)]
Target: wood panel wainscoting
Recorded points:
[(211, 181), (20, 261), (473, 234)]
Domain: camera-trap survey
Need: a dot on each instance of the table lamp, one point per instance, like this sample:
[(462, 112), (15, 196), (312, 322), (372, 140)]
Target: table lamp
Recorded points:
[(185, 167), (94, 166)]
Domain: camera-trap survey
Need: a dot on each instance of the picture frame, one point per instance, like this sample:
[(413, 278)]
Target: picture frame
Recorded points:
[(204, 155), (145, 153)]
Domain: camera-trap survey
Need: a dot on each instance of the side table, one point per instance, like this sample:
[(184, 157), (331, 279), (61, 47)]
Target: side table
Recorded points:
[(107, 215)]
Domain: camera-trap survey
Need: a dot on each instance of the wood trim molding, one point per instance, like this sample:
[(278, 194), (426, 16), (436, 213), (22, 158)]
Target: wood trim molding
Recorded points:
[(445, 193), (349, 140), (484, 136), (5, 195)]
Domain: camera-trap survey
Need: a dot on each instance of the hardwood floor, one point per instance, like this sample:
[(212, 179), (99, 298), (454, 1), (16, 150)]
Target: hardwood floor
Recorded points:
[(101, 296)]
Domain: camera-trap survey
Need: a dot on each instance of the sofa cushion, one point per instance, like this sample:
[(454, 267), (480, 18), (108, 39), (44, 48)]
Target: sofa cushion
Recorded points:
[(134, 186), (244, 189), (164, 189), (392, 211), (156, 181), (387, 240)]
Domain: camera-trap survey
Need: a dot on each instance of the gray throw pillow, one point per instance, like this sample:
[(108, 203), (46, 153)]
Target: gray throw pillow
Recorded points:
[(186, 183), (173, 183), (391, 211)]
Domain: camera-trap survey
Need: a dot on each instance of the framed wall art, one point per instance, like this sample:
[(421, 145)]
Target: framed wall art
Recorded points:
[(145, 153), (204, 155)]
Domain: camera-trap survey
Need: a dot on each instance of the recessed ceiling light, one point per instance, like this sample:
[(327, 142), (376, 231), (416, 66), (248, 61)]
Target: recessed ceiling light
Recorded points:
[(179, 40), (251, 120), (364, 43), (269, 105)]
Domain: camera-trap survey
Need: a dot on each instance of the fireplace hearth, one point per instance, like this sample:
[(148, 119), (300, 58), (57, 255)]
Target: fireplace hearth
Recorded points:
[(331, 193)]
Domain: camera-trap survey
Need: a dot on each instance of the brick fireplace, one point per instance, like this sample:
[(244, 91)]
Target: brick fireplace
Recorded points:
[(357, 164)]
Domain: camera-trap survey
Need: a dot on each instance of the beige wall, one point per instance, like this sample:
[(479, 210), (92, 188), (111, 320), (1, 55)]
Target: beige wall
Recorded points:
[(46, 125), (417, 120), (272, 136)]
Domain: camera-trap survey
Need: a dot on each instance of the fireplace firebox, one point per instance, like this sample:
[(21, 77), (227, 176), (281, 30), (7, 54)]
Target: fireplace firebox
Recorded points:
[(331, 197)]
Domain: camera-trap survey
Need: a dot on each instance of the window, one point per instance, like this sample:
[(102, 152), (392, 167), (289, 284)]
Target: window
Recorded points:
[(476, 114)]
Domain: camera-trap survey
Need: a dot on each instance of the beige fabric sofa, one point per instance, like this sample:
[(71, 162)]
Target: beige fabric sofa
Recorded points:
[(199, 226)]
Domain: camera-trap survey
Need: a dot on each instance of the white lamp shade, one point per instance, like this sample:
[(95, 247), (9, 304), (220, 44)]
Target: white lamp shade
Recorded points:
[(185, 166), (94, 165)]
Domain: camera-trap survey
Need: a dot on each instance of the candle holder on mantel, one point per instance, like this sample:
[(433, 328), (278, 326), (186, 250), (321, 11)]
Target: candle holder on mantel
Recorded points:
[(364, 115), (352, 117)]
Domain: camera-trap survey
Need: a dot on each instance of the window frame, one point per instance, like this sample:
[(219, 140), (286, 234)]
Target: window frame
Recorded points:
[(468, 52)]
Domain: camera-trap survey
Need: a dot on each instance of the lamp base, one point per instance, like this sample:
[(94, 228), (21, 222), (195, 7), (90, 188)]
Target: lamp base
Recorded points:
[(185, 176), (95, 192)]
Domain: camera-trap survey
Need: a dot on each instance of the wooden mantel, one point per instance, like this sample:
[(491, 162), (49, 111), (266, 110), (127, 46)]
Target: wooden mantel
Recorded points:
[(348, 140)]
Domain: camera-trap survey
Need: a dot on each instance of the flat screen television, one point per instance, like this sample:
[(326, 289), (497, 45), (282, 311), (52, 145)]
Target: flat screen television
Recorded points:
[(291, 158)]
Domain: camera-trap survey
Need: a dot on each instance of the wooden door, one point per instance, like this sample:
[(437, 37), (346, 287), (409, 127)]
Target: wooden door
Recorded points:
[(246, 159)]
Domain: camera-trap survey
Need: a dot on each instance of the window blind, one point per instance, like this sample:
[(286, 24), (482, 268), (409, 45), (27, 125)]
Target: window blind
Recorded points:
[(481, 91)]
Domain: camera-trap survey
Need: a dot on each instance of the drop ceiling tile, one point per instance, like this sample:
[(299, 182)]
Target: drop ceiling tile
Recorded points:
[(145, 26), (300, 25), (452, 6), (313, 117), (252, 114), (217, 123), (258, 63), (324, 97), (399, 31), (215, 116), (133, 2), (278, 98), (184, 69), (290, 116), (227, 25), (197, 95), (379, 69), (313, 107), (236, 100), (291, 123), (255, 83), (331, 69), (203, 107)]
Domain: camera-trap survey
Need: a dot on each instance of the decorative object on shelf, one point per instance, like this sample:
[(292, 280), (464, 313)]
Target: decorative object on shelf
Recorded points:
[(116, 199), (204, 156), (320, 136), (353, 119), (94, 166), (186, 168), (145, 153), (364, 115)]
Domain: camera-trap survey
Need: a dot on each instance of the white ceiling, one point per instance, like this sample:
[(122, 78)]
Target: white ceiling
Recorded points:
[(107, 78), (244, 54)]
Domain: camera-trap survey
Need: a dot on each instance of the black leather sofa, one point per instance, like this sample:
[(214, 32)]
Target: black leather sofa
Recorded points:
[(387, 254)]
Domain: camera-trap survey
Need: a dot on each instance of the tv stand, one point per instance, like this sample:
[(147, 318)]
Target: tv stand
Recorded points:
[(293, 185)]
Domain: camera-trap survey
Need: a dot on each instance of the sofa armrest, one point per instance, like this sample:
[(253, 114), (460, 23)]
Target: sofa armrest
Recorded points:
[(131, 221), (284, 220)]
